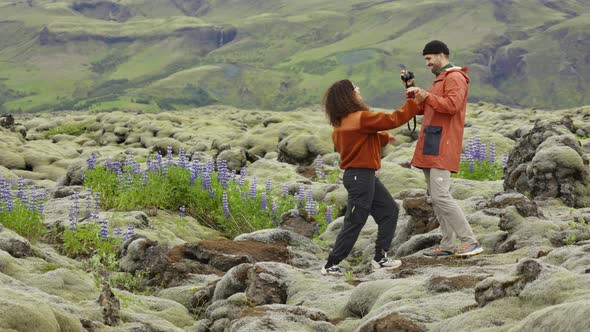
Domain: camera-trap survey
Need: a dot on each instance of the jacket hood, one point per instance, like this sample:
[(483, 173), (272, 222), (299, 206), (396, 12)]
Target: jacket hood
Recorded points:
[(462, 70)]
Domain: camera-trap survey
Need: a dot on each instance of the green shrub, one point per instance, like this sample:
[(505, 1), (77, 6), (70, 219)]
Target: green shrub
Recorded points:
[(24, 221), (85, 240), (171, 187)]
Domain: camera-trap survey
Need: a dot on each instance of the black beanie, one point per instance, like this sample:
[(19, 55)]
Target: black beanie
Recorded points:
[(435, 47)]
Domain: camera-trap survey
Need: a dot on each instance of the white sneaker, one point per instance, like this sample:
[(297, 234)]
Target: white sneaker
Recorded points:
[(333, 270), (385, 263)]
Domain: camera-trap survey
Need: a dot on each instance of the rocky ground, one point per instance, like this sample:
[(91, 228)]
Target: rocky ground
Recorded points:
[(534, 274)]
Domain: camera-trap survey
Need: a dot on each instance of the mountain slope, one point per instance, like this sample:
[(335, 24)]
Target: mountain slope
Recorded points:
[(280, 54)]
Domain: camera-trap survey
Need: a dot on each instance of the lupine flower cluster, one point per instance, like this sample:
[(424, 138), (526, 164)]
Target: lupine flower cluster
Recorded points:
[(22, 211), (220, 198), (319, 168), (479, 164)]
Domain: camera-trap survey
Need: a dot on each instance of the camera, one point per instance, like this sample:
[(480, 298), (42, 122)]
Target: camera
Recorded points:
[(406, 76)]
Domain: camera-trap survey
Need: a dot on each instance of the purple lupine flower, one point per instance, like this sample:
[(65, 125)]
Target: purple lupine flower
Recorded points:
[(119, 176), (129, 161), (320, 168), (118, 232), (158, 161), (253, 188), (169, 156), (505, 159), (41, 199), (182, 160), (285, 189), (32, 205), (211, 166), (471, 165), (242, 176), (309, 194), (104, 229), (301, 194), (273, 214), (89, 196), (193, 176), (130, 232), (77, 203), (263, 200), (164, 171), (244, 194), (328, 214), (146, 178), (223, 174), (212, 193), (182, 212), (206, 184), (96, 197), (108, 164), (91, 161), (225, 203), (128, 181), (482, 152), (72, 216), (25, 199), (310, 207), (20, 187), (492, 157), (268, 184)]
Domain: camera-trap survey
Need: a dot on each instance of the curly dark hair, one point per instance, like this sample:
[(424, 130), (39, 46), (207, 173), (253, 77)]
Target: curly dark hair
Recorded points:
[(340, 100)]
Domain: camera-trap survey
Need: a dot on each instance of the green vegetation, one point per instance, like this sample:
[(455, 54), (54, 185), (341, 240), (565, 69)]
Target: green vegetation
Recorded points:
[(281, 55), (76, 129), (22, 219), (85, 240), (479, 163), (481, 171), (230, 206)]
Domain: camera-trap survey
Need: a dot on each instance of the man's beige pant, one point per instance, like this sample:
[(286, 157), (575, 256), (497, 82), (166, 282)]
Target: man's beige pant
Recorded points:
[(453, 223)]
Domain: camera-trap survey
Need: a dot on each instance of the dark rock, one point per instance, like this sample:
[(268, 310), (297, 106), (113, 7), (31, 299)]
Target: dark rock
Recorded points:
[(16, 247), (417, 243), (110, 306), (216, 259), (494, 288), (418, 206), (548, 162), (7, 121), (74, 174), (500, 201), (202, 298), (450, 284), (265, 287), (299, 222), (392, 322)]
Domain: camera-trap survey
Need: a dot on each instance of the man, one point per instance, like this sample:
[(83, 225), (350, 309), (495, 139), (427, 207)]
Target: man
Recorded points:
[(438, 150)]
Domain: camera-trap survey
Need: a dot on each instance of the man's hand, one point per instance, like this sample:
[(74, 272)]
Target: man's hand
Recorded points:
[(409, 83), (419, 93)]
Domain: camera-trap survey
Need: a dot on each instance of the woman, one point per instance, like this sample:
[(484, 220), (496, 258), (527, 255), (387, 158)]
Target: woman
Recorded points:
[(359, 137)]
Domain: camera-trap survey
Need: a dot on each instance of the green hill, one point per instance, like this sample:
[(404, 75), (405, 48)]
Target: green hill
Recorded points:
[(282, 54)]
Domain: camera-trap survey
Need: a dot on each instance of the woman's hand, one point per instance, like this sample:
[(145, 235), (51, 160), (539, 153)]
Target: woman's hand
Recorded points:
[(392, 140), (419, 93)]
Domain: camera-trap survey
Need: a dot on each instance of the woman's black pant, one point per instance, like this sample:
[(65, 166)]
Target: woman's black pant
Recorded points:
[(366, 195)]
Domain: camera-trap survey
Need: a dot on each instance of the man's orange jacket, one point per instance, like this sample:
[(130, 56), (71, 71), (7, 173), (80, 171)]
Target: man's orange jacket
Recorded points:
[(441, 137)]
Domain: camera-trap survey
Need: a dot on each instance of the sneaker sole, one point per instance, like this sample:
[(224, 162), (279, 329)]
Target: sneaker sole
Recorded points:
[(326, 273), (386, 268), (472, 253), (435, 257)]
